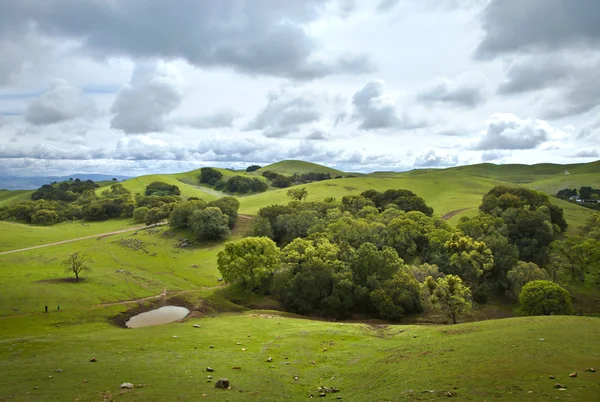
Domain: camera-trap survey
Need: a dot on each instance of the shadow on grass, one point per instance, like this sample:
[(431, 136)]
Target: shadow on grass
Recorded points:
[(62, 280)]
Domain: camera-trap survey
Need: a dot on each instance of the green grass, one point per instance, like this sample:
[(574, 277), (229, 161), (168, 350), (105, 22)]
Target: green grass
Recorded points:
[(16, 236), (30, 279), (289, 167), (9, 197), (491, 360)]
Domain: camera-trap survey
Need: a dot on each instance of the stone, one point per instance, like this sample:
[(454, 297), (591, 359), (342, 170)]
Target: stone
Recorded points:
[(127, 385), (269, 360), (558, 385), (239, 343), (552, 377), (296, 377), (243, 349), (248, 335), (93, 360), (324, 349), (59, 370), (196, 325), (222, 383), (236, 368), (211, 346), (209, 377), (175, 336), (590, 370), (450, 394), (573, 374), (210, 370), (541, 339), (49, 377)]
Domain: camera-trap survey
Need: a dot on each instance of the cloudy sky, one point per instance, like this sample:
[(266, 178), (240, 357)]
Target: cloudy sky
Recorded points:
[(140, 86)]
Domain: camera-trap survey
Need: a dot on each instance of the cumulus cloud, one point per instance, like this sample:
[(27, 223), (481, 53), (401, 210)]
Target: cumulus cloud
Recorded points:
[(61, 102), (155, 90), (431, 159), (538, 25), (255, 37), (286, 111), (220, 119), (507, 131), (375, 109), (490, 156), (468, 91), (587, 153)]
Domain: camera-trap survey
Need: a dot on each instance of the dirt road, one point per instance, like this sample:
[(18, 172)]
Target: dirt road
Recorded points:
[(452, 214)]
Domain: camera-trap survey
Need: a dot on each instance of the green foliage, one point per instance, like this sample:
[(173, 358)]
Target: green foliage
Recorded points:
[(469, 259), (252, 168), (156, 215), (116, 191), (577, 253), (76, 263), (229, 206), (523, 273), (242, 185), (449, 294), (210, 176), (44, 217), (278, 180), (251, 262), (261, 227), (545, 298), (181, 213), (406, 200), (297, 194), (566, 193), (139, 214), (161, 189), (209, 224), (310, 177), (66, 191)]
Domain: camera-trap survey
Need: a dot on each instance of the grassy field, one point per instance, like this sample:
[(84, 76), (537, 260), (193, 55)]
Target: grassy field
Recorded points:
[(487, 360), (491, 360), (289, 167)]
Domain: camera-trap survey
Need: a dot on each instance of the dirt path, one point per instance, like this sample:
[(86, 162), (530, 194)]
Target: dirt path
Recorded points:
[(452, 214), (99, 236)]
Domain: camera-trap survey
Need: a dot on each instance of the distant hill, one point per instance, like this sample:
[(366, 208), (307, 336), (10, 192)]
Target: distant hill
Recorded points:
[(289, 167), (35, 182)]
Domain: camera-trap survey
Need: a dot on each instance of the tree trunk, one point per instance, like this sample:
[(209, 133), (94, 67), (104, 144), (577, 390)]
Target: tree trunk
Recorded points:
[(453, 317), (76, 276), (581, 278)]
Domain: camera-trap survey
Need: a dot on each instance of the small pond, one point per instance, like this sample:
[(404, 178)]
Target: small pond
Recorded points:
[(161, 315)]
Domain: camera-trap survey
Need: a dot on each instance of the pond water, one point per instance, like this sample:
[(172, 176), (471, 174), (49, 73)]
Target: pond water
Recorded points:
[(161, 315)]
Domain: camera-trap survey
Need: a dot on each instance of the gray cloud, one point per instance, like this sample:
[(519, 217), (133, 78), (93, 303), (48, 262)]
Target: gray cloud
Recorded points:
[(431, 159), (317, 135), (257, 37), (224, 118), (586, 153), (538, 25), (507, 131), (374, 109), (61, 102), (286, 111), (489, 156), (529, 73), (468, 91), (153, 93), (589, 131)]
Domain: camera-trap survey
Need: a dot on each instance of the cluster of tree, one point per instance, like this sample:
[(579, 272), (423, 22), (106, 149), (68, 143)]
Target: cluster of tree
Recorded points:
[(206, 220), (587, 196), (404, 199), (113, 202), (309, 177), (584, 193), (210, 176), (242, 185), (383, 255), (252, 168), (278, 180), (66, 191), (160, 188)]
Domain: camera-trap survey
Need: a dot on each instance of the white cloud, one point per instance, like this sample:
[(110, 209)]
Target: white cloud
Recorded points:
[(468, 91), (155, 90), (507, 131), (61, 102)]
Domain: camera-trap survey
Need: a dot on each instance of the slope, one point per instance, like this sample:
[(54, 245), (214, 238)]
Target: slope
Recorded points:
[(289, 167)]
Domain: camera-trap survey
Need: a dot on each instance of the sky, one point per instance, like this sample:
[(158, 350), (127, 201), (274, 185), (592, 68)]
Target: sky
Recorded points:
[(151, 86)]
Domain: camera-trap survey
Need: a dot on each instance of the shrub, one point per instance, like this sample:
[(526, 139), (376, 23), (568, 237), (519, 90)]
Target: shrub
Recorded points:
[(139, 214), (545, 298)]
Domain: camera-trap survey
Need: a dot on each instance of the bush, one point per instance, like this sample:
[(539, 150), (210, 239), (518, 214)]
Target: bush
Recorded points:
[(545, 298), (209, 224), (160, 189), (44, 217), (252, 168), (210, 176), (139, 214)]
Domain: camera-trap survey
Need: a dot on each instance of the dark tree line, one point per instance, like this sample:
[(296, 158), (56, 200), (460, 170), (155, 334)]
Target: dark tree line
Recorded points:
[(308, 177)]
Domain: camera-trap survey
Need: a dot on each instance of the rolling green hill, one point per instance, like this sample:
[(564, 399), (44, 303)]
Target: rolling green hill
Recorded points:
[(289, 167)]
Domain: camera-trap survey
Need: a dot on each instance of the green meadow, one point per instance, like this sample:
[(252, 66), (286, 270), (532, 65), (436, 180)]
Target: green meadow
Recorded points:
[(46, 356)]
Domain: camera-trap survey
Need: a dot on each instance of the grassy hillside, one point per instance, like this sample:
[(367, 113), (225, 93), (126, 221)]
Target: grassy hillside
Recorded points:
[(289, 167), (509, 359), (9, 197), (138, 185), (447, 191)]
